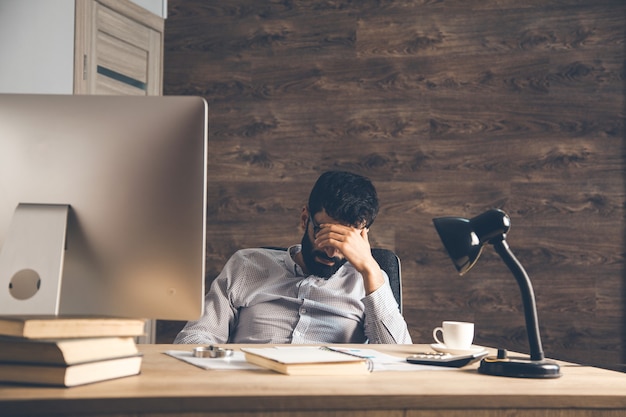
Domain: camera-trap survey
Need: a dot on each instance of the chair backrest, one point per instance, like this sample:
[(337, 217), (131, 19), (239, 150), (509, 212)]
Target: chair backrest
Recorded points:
[(389, 262)]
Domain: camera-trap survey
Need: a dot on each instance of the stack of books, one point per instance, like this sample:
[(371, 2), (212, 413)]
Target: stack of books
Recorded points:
[(68, 351)]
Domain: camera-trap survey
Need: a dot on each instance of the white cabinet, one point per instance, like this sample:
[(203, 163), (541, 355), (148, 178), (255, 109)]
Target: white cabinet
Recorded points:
[(81, 46)]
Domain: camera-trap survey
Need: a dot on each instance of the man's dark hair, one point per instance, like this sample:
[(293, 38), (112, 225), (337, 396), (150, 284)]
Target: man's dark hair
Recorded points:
[(346, 197)]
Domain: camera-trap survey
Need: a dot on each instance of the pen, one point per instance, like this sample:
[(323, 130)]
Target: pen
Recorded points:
[(347, 352)]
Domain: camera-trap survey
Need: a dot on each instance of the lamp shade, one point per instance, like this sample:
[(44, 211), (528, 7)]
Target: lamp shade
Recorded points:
[(465, 238)]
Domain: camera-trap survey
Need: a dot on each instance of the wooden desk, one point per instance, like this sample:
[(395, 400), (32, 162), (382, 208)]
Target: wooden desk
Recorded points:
[(168, 386)]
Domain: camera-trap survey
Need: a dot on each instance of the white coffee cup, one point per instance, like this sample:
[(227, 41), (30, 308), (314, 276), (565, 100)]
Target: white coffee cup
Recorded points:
[(455, 334)]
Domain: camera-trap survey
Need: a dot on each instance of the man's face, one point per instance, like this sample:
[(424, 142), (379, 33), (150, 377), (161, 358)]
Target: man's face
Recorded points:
[(318, 263)]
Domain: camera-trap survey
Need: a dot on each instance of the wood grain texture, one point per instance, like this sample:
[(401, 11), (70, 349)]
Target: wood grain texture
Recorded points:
[(170, 387), (451, 107)]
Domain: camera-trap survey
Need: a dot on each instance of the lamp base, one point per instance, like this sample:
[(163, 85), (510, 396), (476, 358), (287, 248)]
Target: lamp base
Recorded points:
[(519, 367)]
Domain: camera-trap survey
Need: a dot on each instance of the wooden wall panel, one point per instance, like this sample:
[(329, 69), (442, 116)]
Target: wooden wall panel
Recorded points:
[(451, 107)]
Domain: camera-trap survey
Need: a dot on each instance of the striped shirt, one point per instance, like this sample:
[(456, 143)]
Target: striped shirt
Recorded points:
[(262, 296)]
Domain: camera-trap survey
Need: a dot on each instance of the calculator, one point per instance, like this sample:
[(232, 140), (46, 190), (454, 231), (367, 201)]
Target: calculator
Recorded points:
[(445, 359)]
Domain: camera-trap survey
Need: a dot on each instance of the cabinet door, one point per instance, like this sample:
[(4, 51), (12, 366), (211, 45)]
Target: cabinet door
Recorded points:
[(118, 49)]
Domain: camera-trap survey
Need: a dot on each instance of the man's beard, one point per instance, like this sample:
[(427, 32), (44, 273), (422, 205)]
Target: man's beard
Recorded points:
[(314, 267)]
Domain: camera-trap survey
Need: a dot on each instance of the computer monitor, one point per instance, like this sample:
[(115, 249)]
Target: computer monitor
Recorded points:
[(103, 205)]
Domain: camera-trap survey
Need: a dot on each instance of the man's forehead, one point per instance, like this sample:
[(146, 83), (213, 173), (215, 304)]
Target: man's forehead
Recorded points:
[(323, 217)]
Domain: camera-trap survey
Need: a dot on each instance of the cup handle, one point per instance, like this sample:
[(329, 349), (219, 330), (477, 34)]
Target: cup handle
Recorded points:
[(435, 331)]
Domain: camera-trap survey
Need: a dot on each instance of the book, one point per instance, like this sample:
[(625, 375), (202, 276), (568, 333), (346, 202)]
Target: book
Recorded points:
[(65, 351), (307, 361), (71, 375), (57, 327)]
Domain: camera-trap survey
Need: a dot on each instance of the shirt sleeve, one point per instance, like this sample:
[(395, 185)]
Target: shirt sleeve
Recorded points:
[(384, 323), (219, 314)]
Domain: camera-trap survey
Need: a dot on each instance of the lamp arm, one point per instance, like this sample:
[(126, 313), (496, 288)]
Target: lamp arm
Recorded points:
[(528, 297)]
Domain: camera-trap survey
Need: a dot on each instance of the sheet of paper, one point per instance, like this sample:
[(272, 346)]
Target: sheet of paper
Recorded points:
[(233, 363), (385, 362)]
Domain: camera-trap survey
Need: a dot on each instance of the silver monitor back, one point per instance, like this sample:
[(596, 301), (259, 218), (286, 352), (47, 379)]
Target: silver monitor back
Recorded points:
[(130, 173)]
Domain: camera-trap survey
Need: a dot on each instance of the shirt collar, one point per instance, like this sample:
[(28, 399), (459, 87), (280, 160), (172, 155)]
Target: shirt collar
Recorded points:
[(291, 264)]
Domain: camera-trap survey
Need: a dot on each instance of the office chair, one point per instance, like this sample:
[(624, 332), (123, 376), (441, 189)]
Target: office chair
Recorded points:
[(389, 262)]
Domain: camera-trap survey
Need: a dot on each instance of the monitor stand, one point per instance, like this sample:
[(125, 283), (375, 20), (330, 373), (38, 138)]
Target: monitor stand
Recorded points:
[(31, 260)]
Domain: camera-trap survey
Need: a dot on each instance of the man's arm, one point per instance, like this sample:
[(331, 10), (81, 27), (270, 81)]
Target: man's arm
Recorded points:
[(218, 318), (383, 321)]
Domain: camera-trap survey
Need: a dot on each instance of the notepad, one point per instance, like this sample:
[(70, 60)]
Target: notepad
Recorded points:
[(307, 361)]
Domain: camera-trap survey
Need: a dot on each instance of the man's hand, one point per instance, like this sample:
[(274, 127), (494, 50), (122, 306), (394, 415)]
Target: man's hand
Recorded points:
[(354, 245)]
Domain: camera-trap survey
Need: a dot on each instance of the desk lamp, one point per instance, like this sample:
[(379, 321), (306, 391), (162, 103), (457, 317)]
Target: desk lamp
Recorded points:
[(464, 240)]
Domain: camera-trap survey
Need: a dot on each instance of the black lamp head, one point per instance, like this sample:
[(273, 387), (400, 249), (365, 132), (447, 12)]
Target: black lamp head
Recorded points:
[(465, 238)]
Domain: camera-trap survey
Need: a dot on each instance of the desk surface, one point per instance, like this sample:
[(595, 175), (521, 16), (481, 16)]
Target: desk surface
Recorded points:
[(168, 386)]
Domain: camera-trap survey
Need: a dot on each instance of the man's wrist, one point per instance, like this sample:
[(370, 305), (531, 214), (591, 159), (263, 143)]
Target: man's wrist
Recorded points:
[(372, 278)]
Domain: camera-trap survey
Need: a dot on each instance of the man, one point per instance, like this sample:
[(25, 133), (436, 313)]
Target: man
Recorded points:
[(328, 289)]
